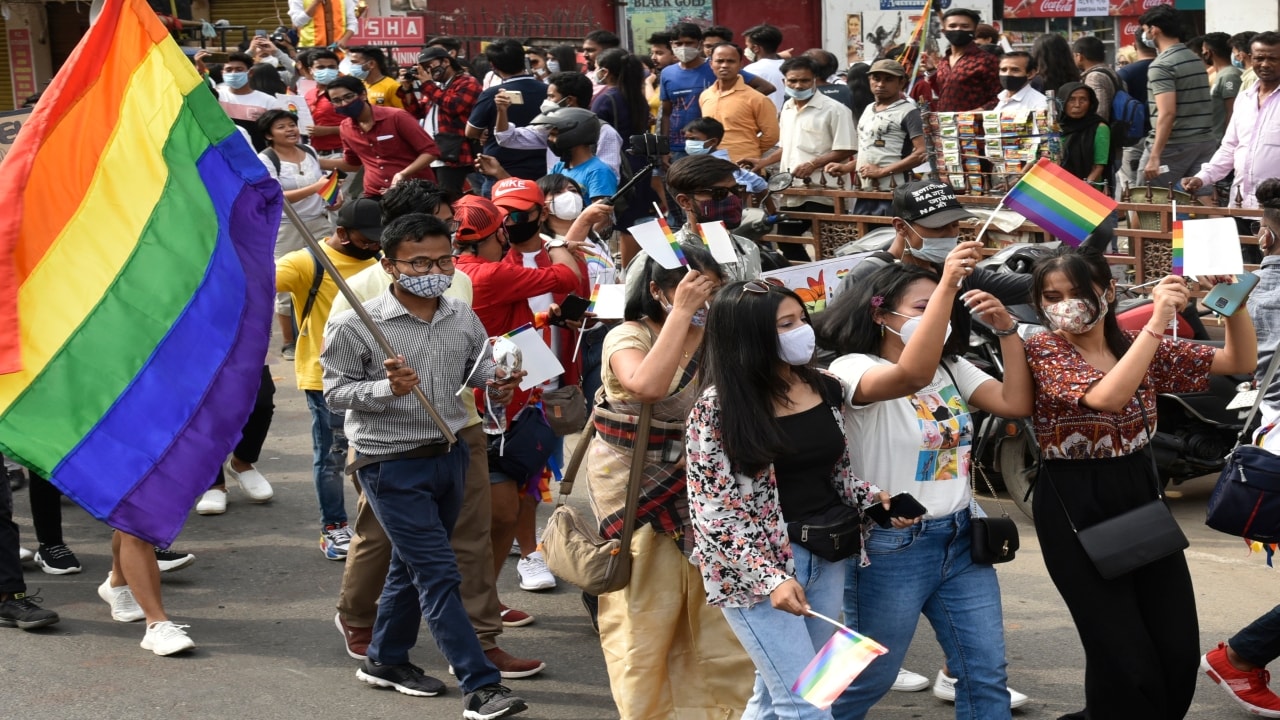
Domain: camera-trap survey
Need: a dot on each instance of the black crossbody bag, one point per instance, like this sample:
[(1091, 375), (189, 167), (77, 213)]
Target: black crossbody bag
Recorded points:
[(836, 533)]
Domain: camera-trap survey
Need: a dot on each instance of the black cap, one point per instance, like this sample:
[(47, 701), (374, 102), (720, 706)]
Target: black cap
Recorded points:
[(364, 215), (435, 52), (928, 203)]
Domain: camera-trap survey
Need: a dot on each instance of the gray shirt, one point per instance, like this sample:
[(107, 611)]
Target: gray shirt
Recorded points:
[(442, 351), (1264, 308), (1180, 71), (1225, 87)]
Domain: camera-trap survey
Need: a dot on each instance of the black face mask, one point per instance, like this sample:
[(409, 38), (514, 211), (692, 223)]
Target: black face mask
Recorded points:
[(522, 232), (558, 149), (1013, 83), (959, 38)]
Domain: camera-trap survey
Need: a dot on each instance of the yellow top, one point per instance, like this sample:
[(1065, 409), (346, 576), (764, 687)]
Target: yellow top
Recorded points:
[(384, 92), (750, 119), (294, 274)]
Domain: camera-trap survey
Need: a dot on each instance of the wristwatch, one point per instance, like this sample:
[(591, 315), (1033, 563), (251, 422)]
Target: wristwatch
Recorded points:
[(557, 243)]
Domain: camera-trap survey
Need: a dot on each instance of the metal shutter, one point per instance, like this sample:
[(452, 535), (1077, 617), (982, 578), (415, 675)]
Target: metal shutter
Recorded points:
[(252, 14), (6, 76)]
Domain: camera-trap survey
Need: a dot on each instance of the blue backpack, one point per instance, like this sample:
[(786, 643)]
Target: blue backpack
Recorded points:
[(1128, 114)]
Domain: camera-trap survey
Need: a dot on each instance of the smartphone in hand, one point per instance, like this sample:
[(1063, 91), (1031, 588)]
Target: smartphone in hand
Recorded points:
[(901, 506), (1226, 298), (572, 308)]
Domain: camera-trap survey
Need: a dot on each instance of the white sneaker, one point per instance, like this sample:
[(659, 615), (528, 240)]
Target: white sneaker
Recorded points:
[(124, 608), (165, 638), (945, 689), (213, 502), (534, 574), (908, 681), (25, 555), (251, 482)]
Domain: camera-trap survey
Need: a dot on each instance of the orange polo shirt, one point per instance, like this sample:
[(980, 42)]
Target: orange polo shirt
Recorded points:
[(750, 119)]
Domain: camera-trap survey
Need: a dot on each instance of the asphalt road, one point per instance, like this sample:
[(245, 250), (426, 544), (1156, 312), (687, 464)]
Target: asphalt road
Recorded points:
[(260, 603)]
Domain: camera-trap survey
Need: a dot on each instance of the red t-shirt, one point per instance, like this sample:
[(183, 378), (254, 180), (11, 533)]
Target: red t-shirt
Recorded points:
[(324, 115), (394, 141), (568, 339)]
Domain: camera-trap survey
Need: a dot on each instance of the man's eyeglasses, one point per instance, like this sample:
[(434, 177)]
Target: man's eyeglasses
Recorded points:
[(719, 193), (343, 100), (423, 265)]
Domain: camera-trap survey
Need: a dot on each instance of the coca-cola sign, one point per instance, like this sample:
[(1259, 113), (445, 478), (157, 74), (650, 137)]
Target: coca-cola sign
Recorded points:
[(1129, 31), (1014, 9), (1134, 8)]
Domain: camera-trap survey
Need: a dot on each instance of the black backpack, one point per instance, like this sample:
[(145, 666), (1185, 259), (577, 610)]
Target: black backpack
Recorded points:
[(275, 158)]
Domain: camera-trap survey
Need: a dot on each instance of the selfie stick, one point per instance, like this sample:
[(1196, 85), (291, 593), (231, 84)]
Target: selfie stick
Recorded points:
[(358, 306)]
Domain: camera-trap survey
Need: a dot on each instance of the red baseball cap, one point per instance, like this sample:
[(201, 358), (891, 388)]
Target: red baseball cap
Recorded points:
[(477, 218), (515, 193)]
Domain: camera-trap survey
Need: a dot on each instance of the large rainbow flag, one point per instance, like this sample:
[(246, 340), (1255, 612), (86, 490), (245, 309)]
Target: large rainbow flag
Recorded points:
[(1064, 205), (136, 279)]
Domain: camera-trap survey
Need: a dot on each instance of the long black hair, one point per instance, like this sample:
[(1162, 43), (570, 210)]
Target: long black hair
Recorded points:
[(1084, 269), (629, 73), (641, 303), (742, 362), (849, 323)]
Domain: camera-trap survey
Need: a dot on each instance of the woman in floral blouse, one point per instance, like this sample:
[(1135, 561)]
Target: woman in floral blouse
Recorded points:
[(768, 455), (1095, 404)]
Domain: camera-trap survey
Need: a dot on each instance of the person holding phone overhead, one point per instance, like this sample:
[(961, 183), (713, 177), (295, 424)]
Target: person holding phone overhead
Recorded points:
[(1095, 406), (768, 457), (909, 424)]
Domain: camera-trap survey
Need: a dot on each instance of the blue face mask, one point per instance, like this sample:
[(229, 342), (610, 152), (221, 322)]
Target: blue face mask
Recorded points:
[(235, 80), (696, 147), (1146, 40), (325, 76), (800, 95), (1238, 63), (431, 285), (358, 72)]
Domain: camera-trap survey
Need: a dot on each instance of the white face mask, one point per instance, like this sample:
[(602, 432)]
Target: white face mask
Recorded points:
[(933, 250), (548, 105), (751, 54), (566, 205), (686, 54), (909, 328), (795, 346)]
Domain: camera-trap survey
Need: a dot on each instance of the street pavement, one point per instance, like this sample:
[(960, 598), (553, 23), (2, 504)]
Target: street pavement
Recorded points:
[(260, 604)]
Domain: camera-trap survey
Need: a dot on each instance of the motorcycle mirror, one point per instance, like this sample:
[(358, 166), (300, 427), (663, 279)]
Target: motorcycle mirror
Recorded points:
[(780, 181)]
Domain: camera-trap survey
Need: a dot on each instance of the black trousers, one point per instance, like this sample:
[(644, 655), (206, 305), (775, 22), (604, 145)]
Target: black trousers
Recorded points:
[(1259, 643), (792, 251), (46, 510), (10, 566), (1140, 633), (254, 435)]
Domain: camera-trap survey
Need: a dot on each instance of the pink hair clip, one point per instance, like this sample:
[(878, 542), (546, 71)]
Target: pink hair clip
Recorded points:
[(877, 301)]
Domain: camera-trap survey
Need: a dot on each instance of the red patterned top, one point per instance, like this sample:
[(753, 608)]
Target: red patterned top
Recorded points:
[(1066, 430)]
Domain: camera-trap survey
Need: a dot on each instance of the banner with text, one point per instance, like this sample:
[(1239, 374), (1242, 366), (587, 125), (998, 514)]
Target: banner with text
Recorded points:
[(1017, 9)]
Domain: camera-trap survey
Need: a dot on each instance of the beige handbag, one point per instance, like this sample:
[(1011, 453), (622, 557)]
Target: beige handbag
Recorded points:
[(571, 543)]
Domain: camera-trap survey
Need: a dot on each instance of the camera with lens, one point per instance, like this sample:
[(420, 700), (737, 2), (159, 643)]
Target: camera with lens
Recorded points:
[(650, 146)]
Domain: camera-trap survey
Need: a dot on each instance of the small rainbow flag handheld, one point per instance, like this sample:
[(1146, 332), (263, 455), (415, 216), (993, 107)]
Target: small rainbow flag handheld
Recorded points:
[(836, 665), (330, 190), (595, 295), (671, 238), (137, 281), (1064, 205), (1177, 248)]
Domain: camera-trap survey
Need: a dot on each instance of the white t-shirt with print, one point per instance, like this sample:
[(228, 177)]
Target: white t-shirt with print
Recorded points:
[(919, 444), (299, 175)]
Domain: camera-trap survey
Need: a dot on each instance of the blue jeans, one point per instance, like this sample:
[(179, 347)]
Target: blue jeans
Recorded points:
[(1259, 643), (328, 458), (417, 502), (926, 568), (781, 644)]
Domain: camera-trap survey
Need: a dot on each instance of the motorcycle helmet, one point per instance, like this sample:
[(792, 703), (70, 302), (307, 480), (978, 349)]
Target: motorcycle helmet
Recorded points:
[(574, 127)]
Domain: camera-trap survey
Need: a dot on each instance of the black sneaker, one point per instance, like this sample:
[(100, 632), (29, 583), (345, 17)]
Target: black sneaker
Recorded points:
[(57, 560), (407, 679), (24, 612), (169, 561), (491, 701), (592, 605)]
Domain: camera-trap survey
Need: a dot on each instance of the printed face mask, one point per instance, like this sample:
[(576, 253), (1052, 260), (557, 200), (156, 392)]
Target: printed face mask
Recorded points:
[(795, 346), (431, 285), (686, 54), (1072, 315), (699, 318), (909, 328), (933, 250), (566, 205), (729, 210)]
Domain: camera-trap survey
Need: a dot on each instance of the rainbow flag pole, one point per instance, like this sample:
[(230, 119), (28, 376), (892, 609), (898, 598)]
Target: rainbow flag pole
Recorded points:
[(671, 237), (1176, 250), (595, 295)]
